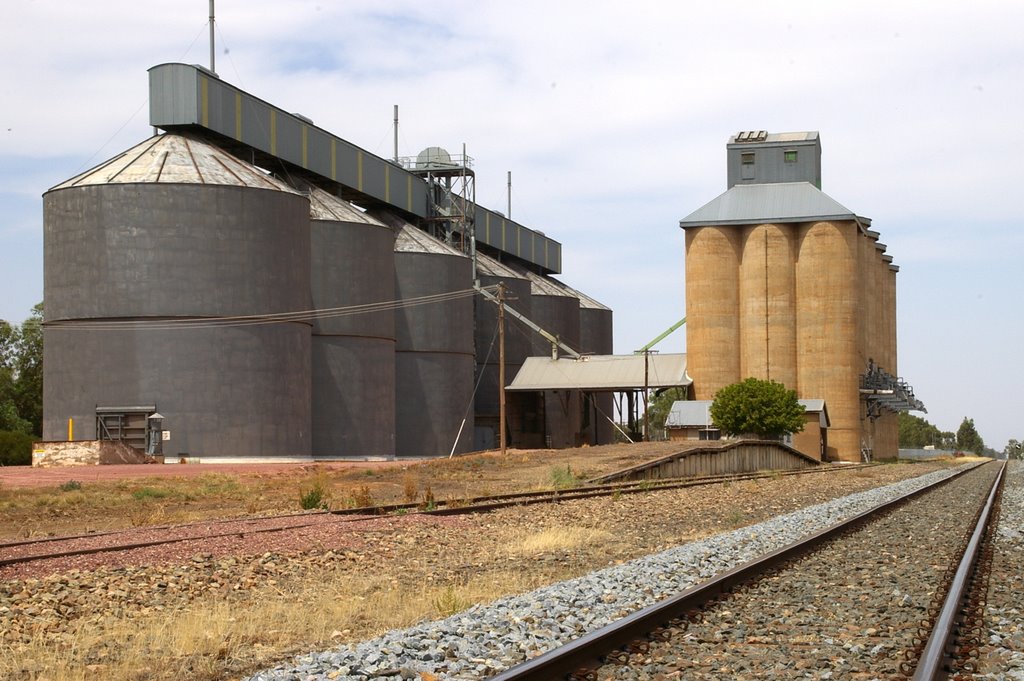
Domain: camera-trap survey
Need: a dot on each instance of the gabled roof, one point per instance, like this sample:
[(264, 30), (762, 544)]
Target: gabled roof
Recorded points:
[(694, 413), (746, 204), (601, 373)]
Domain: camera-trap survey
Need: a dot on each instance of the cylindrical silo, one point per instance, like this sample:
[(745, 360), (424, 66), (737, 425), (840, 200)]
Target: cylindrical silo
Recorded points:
[(827, 329), (434, 357), (767, 299), (490, 272), (712, 308), (352, 261), (556, 310), (596, 339), (177, 232)]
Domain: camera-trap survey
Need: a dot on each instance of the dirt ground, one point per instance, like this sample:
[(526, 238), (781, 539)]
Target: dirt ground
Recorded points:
[(51, 501)]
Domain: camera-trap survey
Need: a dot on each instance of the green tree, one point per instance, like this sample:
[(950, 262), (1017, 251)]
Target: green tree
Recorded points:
[(764, 408), (21, 375), (661, 404), (29, 369), (967, 438), (916, 432), (1014, 450)]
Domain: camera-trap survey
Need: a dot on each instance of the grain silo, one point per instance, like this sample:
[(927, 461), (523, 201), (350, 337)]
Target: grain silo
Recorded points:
[(352, 261), (490, 272), (712, 309), (767, 297), (556, 310), (827, 319), (783, 282), (145, 256), (595, 339), (434, 358)]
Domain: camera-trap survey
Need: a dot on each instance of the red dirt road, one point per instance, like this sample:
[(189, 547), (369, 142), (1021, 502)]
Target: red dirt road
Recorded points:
[(27, 476)]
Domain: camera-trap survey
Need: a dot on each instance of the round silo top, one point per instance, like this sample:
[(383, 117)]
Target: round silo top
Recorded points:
[(176, 159), (326, 206), (412, 240)]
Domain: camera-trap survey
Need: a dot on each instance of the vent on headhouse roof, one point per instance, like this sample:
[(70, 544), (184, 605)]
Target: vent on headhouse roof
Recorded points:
[(752, 136)]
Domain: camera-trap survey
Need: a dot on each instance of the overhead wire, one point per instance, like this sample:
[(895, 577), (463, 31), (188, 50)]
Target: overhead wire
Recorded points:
[(257, 320)]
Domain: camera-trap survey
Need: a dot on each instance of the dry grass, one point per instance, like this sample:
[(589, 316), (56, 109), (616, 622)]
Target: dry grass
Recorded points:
[(555, 539), (215, 638)]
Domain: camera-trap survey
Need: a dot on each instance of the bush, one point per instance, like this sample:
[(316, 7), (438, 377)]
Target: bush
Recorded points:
[(314, 498), (15, 448), (70, 486), (763, 408)]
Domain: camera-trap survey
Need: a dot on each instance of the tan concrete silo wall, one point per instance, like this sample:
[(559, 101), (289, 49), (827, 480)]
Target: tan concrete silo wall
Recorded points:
[(827, 322), (767, 303), (712, 308)]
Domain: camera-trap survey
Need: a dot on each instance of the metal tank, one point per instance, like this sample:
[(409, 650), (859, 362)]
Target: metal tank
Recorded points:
[(596, 339), (556, 310), (827, 303), (767, 299), (179, 232), (434, 358), (352, 263), (491, 272), (712, 309)]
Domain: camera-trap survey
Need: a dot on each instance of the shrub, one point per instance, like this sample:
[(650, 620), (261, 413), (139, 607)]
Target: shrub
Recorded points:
[(70, 486), (15, 448), (362, 497), (314, 498), (766, 409), (563, 477)]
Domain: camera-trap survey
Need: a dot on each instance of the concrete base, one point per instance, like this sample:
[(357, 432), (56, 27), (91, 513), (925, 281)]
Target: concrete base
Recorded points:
[(87, 453)]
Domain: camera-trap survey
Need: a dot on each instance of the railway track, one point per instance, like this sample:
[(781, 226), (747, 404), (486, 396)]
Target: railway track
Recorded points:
[(27, 551), (880, 595)]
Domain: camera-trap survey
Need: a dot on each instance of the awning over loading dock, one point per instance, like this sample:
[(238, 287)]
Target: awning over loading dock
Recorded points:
[(598, 373)]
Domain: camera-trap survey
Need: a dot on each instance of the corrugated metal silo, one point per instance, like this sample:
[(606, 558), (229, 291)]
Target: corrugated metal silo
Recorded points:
[(171, 230), (596, 339), (353, 375), (490, 272), (827, 329), (557, 310), (434, 357), (712, 308), (767, 299)]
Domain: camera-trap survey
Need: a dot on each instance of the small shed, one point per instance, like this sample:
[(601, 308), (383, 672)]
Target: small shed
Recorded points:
[(691, 420)]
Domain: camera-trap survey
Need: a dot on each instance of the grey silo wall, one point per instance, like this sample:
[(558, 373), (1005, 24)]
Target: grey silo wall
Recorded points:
[(559, 315), (596, 338), (353, 370), (152, 251), (517, 349), (179, 250), (223, 391), (434, 357)]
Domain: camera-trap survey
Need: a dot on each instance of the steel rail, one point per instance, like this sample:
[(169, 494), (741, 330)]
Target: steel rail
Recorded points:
[(935, 656), (590, 650)]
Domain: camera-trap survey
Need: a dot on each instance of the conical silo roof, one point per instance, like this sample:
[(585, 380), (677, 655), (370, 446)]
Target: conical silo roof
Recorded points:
[(326, 206), (411, 239), (176, 159)]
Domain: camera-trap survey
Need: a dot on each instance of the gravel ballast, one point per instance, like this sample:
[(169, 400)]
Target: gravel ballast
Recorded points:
[(484, 640)]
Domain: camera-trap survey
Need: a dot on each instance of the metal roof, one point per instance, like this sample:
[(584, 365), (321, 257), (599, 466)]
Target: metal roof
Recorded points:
[(176, 159), (490, 267), (695, 414), (601, 373), (326, 206), (746, 204), (764, 137)]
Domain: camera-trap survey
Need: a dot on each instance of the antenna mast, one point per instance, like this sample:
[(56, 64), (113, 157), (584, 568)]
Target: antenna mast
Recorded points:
[(213, 66)]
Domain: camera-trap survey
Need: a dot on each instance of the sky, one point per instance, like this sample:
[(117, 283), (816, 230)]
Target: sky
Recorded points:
[(613, 119)]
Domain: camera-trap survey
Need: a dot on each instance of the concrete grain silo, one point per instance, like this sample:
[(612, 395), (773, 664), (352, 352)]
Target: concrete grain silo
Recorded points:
[(144, 257), (827, 318), (490, 272), (767, 299), (434, 356), (712, 308), (352, 261), (783, 282)]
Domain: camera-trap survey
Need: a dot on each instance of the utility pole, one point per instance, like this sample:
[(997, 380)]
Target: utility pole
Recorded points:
[(647, 418), (501, 364), (213, 62)]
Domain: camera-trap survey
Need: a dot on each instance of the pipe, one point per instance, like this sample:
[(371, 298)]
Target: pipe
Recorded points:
[(213, 67)]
